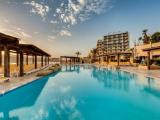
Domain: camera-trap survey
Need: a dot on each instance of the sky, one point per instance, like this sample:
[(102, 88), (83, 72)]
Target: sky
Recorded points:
[(62, 27)]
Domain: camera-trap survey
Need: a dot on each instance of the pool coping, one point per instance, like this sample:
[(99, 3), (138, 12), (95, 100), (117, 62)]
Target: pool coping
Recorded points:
[(25, 81)]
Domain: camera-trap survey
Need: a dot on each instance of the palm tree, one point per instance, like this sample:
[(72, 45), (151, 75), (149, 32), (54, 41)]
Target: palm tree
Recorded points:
[(140, 39), (78, 53), (146, 38)]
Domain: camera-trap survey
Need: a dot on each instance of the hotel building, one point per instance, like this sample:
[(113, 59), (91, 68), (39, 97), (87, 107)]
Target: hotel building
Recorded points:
[(114, 43)]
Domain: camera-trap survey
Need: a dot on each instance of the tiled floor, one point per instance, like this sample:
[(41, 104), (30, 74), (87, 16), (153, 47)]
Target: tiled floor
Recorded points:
[(17, 82)]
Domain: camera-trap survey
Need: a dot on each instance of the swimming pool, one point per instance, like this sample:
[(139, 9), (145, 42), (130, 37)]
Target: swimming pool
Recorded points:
[(84, 92)]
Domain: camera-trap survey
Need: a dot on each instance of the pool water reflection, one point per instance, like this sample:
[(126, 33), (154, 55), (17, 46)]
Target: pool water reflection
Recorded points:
[(84, 92)]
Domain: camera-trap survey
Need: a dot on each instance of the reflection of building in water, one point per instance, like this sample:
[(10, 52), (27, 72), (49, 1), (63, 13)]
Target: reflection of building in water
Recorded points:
[(87, 67), (150, 85), (71, 68), (112, 79), (24, 97)]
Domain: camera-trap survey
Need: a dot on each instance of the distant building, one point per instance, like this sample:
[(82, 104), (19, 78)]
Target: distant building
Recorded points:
[(118, 42), (141, 55), (100, 46)]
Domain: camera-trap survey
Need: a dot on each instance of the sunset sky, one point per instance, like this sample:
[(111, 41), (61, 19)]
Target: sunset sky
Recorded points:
[(61, 27)]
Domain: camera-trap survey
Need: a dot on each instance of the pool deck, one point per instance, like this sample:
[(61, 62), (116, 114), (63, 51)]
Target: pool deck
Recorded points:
[(16, 82)]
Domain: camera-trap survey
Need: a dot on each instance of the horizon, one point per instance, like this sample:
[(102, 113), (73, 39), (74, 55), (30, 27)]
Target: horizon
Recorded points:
[(66, 26)]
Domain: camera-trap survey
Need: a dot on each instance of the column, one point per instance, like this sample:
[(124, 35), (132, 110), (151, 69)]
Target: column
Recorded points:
[(118, 58), (21, 64), (17, 58), (48, 60), (42, 60), (35, 62), (148, 60), (6, 62), (33, 59), (0, 58), (70, 61), (27, 59), (45, 60), (60, 60)]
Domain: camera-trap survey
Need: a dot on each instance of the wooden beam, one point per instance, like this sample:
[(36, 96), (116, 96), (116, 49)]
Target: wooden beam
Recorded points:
[(60, 60), (42, 61), (0, 58), (6, 62), (21, 72), (48, 60), (27, 59), (17, 58), (149, 61), (45, 60), (35, 61), (118, 58)]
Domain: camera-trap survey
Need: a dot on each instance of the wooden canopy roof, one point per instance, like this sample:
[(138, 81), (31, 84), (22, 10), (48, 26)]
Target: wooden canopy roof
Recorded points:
[(72, 57), (13, 44), (6, 39), (152, 48), (32, 49)]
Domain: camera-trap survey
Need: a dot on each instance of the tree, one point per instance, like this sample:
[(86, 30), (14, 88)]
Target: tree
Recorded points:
[(140, 39), (155, 37), (146, 38), (78, 53)]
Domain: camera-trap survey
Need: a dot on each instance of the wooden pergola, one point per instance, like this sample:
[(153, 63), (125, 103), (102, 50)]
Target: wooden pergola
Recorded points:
[(10, 44), (71, 58), (118, 54), (148, 50)]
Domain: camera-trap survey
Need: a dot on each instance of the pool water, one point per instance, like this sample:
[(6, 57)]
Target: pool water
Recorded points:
[(84, 93)]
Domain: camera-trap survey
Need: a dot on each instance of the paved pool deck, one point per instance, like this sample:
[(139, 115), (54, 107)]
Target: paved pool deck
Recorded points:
[(16, 82)]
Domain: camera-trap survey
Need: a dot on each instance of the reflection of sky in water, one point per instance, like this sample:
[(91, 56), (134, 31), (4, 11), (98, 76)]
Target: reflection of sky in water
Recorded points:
[(85, 93)]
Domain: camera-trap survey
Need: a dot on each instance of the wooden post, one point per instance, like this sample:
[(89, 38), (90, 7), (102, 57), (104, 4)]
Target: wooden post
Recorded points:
[(35, 61), (60, 60), (21, 64), (27, 59), (148, 61), (118, 57), (48, 60), (107, 59), (6, 62), (17, 58), (70, 61), (0, 58), (42, 60), (66, 60), (74, 60), (45, 60)]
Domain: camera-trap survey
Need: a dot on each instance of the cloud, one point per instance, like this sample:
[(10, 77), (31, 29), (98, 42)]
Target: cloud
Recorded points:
[(75, 11), (38, 8), (65, 33), (65, 89), (53, 22)]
